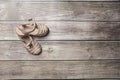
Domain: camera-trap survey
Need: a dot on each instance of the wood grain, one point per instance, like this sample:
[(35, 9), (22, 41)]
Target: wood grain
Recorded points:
[(80, 11), (62, 50), (77, 46), (59, 69), (55, 0), (68, 30)]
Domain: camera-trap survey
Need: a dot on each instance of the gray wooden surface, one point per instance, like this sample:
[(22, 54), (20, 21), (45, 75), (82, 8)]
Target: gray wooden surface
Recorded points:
[(84, 40), (60, 69), (55, 0), (72, 11), (61, 30), (62, 50)]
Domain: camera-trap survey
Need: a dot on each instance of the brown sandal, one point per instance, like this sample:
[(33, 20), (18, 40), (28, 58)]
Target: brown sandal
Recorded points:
[(26, 31), (31, 45), (32, 29)]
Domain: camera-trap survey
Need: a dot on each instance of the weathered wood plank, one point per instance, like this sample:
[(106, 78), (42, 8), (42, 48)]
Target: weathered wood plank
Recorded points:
[(62, 50), (76, 79), (59, 69), (54, 0), (81, 11), (69, 31)]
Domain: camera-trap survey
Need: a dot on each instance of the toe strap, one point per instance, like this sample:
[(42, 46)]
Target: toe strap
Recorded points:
[(36, 48), (42, 30), (23, 29)]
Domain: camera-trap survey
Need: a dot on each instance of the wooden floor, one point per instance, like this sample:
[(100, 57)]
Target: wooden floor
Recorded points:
[(84, 40)]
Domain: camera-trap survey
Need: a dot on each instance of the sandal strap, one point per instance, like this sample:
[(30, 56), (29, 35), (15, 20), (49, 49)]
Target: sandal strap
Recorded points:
[(35, 48), (29, 43), (42, 29), (27, 32)]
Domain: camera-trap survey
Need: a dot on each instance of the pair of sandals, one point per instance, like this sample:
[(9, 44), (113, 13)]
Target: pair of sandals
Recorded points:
[(26, 33)]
